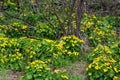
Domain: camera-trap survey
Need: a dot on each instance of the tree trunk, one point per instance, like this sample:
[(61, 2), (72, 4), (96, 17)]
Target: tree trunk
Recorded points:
[(79, 14), (2, 6)]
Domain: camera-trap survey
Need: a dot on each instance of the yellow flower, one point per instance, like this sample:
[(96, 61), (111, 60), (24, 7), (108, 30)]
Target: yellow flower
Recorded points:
[(19, 54), (24, 14), (106, 48), (55, 55), (24, 27), (105, 70), (31, 56), (82, 30), (107, 64), (115, 78), (95, 49), (64, 70), (2, 61), (89, 74), (92, 54), (94, 16), (81, 41), (86, 69), (27, 67), (2, 50), (64, 77), (57, 71), (14, 59), (98, 39), (11, 3), (47, 69), (112, 60), (48, 60), (90, 65), (75, 42), (39, 70), (109, 26), (89, 24), (116, 70), (90, 37), (73, 45), (97, 67), (100, 33), (16, 29), (33, 63), (60, 45), (69, 53), (48, 40)]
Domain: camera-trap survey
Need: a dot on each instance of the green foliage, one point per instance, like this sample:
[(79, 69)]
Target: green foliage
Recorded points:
[(10, 54), (27, 41), (44, 31), (10, 5), (72, 77), (18, 29), (72, 43), (104, 63), (37, 70), (59, 75), (99, 29), (21, 53)]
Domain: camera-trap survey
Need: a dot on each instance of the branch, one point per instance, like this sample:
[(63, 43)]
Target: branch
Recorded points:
[(60, 22), (31, 25), (70, 27), (79, 17)]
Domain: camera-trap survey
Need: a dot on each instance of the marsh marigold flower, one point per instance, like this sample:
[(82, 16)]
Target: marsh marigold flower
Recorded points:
[(115, 78), (105, 70), (64, 77), (24, 27)]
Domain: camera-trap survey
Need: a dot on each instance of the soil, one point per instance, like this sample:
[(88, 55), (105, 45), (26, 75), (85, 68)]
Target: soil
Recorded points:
[(77, 69), (11, 75)]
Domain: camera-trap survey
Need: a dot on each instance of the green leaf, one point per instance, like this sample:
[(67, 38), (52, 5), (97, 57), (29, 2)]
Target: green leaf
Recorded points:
[(111, 74), (2, 35), (29, 76)]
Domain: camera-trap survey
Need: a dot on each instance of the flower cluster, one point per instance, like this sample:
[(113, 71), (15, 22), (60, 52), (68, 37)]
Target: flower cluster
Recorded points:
[(36, 70), (72, 43), (10, 55), (44, 31), (98, 29), (3, 61), (60, 74), (104, 64), (15, 61), (22, 50), (18, 29)]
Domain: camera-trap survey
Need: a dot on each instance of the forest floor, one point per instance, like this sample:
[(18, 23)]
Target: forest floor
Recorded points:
[(10, 75)]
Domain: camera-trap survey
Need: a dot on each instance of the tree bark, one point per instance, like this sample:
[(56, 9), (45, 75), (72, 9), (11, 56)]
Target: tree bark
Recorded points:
[(2, 6), (79, 14), (70, 19)]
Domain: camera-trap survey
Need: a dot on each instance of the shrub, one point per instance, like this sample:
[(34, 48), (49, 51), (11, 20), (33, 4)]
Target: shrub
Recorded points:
[(17, 29), (37, 70), (72, 43), (22, 50), (11, 57), (98, 29), (104, 64)]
